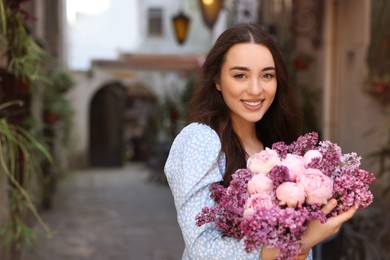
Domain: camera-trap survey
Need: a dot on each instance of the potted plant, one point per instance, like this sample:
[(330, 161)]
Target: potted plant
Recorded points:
[(21, 155)]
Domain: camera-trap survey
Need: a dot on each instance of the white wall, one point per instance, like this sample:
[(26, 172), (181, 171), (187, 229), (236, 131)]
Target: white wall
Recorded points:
[(116, 26), (102, 33), (199, 38)]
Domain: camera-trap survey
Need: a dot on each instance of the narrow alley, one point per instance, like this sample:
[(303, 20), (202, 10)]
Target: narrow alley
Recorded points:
[(105, 214)]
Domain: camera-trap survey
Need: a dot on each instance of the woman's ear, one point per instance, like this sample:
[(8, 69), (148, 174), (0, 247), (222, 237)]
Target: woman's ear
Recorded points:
[(217, 86)]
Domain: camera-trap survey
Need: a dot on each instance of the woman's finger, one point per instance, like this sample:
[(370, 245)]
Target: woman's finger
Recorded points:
[(329, 206), (343, 217), (346, 215)]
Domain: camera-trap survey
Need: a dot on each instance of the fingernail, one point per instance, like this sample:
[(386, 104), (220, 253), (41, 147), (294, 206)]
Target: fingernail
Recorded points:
[(333, 202)]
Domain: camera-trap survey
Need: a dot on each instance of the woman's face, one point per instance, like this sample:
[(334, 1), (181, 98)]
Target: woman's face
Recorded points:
[(248, 82)]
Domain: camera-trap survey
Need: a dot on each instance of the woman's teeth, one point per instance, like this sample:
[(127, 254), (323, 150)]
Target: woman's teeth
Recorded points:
[(252, 103)]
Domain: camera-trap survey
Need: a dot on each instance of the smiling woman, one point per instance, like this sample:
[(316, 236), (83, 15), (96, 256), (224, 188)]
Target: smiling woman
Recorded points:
[(243, 103)]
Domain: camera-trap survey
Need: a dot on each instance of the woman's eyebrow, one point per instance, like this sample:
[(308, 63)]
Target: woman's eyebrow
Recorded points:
[(247, 69), (268, 68), (239, 68)]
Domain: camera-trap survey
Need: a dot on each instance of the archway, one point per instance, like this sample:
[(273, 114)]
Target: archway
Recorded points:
[(106, 122)]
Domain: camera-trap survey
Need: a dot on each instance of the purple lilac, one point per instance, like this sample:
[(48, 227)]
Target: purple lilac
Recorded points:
[(299, 147), (331, 155), (304, 143), (351, 189), (315, 163), (279, 227), (350, 162), (281, 148), (278, 175), (228, 211)]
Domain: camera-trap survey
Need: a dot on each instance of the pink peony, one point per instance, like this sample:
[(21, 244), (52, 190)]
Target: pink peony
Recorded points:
[(248, 212), (263, 161), (259, 200), (260, 183), (295, 165), (290, 193), (318, 186), (310, 155)]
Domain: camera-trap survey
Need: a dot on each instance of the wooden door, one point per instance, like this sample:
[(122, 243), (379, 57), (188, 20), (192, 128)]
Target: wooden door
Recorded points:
[(106, 144)]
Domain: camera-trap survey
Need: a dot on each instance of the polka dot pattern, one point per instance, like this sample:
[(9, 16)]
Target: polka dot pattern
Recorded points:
[(194, 163)]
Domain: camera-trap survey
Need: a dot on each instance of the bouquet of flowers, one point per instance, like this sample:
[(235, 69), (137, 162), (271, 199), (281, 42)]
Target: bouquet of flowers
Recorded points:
[(282, 189)]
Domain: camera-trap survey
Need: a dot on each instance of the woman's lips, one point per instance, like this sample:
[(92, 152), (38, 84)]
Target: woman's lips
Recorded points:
[(252, 105)]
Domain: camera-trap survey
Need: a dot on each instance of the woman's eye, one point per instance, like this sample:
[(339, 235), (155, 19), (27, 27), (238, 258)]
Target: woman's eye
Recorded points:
[(239, 76), (268, 76)]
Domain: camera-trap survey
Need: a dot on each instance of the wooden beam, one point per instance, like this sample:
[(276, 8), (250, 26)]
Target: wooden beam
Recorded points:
[(152, 62)]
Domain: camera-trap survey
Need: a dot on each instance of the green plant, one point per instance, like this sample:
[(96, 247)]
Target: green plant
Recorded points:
[(24, 56), (17, 234), (21, 155), (56, 106), (57, 84), (61, 81)]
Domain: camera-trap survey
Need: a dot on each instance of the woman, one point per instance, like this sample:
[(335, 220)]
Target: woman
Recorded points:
[(244, 103)]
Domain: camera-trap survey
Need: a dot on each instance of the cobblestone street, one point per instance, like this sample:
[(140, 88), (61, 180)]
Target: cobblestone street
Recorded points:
[(104, 214)]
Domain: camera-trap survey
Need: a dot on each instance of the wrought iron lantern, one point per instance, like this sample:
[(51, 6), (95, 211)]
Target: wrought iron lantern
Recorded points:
[(210, 11), (181, 23)]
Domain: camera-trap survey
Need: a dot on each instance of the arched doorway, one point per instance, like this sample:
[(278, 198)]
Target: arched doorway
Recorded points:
[(106, 144)]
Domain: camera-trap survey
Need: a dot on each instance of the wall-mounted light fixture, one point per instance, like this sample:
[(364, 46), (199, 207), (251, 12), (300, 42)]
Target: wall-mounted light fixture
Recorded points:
[(210, 10), (181, 23)]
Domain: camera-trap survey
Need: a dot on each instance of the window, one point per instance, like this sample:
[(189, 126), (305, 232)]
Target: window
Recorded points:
[(155, 22)]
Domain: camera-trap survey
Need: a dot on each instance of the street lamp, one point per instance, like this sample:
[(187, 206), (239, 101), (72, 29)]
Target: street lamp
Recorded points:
[(181, 23), (210, 10)]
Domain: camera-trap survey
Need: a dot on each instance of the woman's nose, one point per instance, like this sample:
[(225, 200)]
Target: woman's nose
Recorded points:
[(255, 87)]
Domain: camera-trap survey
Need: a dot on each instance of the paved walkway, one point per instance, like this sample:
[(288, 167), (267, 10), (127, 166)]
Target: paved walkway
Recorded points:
[(106, 214)]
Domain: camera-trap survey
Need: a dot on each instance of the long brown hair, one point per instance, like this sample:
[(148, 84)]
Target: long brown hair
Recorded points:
[(282, 121)]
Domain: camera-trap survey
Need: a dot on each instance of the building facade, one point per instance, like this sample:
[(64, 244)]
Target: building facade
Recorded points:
[(118, 101)]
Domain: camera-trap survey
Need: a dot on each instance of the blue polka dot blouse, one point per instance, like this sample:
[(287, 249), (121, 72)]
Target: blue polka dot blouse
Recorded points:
[(194, 163)]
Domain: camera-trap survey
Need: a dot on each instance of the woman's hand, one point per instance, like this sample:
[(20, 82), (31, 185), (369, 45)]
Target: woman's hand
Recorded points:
[(268, 253), (272, 254), (317, 231)]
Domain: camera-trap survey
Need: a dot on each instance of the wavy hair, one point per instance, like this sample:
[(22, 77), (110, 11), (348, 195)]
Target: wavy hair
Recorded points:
[(282, 121)]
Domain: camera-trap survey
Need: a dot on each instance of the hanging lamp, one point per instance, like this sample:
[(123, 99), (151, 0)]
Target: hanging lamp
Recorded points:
[(210, 11), (181, 23)]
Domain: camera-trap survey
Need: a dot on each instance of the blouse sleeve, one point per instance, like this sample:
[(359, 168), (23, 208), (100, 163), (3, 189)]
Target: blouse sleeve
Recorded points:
[(193, 164)]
